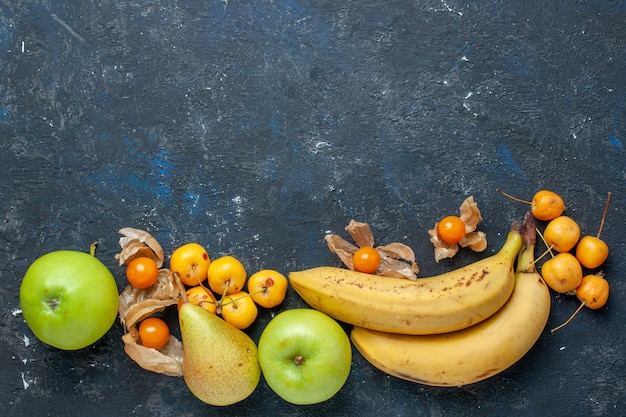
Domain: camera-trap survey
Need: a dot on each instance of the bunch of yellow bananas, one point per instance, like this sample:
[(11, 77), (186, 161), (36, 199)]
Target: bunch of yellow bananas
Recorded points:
[(449, 330)]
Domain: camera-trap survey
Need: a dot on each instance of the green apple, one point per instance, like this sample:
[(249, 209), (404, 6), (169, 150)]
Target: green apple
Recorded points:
[(69, 299), (305, 356)]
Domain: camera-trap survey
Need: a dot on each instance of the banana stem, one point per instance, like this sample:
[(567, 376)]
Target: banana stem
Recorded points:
[(526, 259), (526, 256)]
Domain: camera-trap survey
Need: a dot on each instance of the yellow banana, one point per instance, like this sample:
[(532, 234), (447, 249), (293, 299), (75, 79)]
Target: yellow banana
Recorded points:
[(451, 301), (469, 355)]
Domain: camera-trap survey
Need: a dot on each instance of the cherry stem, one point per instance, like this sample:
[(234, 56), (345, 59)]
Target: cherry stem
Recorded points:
[(548, 251), (206, 290), (258, 292), (546, 243), (580, 307), (225, 292), (234, 300), (512, 198), (220, 302), (606, 207)]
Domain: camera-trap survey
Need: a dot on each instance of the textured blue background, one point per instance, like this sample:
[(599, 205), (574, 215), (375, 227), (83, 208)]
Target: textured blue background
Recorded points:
[(255, 127)]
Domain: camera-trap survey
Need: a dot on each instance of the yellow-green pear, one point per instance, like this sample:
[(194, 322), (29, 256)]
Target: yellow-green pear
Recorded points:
[(220, 364)]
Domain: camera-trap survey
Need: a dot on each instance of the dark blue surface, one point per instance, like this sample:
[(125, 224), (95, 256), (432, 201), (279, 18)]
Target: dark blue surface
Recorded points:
[(255, 127)]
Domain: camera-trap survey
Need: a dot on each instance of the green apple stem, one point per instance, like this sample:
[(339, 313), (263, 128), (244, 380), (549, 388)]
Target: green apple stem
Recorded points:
[(92, 249), (298, 359)]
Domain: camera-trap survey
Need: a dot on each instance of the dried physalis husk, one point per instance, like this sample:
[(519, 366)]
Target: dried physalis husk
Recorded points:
[(137, 304), (136, 243), (397, 260), (475, 240), (166, 360), (360, 233), (470, 214)]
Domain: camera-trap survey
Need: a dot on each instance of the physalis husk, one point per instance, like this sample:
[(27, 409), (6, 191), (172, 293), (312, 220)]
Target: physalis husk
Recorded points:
[(397, 260), (137, 304), (475, 240)]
